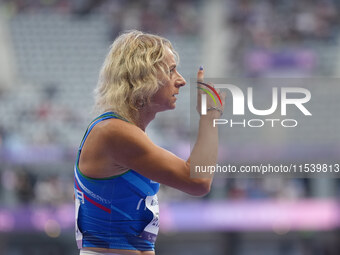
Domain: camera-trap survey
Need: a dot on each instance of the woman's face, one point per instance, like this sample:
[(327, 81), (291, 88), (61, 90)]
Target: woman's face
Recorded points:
[(165, 97)]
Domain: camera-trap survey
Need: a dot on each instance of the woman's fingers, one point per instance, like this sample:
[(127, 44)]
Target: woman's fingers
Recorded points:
[(200, 78), (214, 96), (223, 95), (200, 74)]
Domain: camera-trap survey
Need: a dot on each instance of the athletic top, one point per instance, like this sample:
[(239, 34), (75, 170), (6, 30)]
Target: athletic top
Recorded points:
[(119, 212)]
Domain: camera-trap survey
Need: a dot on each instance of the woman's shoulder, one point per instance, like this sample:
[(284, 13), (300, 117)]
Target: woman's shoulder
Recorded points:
[(117, 129)]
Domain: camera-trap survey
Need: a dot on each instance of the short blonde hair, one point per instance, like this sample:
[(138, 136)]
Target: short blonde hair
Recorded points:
[(130, 74)]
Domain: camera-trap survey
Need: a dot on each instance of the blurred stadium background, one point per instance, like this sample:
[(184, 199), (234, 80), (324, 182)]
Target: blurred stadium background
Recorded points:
[(50, 55)]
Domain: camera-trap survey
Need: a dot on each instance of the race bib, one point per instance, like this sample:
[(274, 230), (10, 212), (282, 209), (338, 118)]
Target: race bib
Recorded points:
[(151, 230), (79, 235)]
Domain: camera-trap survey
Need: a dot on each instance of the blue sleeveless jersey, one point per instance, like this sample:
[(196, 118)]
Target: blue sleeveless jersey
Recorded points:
[(119, 212)]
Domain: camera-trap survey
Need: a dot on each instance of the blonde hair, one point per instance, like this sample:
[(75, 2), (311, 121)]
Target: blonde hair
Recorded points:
[(130, 74)]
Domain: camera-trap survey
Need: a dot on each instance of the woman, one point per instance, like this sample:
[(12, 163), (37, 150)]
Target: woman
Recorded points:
[(117, 207)]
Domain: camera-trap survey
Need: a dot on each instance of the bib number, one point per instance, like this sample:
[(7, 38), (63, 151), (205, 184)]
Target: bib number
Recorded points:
[(151, 230), (79, 235)]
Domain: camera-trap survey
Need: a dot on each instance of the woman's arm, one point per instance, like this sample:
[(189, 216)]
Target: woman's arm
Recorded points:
[(131, 148)]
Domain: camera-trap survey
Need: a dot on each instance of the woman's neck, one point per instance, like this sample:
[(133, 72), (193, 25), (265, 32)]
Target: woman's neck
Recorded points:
[(145, 116)]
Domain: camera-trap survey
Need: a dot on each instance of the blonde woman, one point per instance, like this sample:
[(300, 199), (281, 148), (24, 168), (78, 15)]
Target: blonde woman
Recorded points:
[(118, 168)]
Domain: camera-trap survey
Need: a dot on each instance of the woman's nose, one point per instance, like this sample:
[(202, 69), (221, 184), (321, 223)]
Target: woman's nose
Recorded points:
[(180, 81)]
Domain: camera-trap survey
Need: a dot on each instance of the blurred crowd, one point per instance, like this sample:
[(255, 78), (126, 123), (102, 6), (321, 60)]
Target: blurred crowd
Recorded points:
[(176, 17), (278, 35), (27, 186)]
